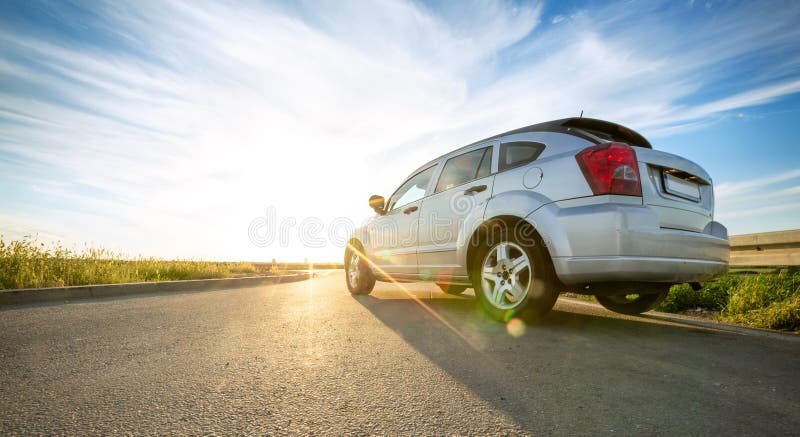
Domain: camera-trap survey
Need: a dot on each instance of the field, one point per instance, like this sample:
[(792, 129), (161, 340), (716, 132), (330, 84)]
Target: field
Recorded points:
[(27, 263)]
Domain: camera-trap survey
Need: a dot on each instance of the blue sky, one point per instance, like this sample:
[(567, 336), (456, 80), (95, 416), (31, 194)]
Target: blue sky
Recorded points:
[(165, 128)]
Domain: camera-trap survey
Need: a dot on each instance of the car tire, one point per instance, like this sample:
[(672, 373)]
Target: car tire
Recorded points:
[(453, 288), (358, 275), (632, 306), (540, 293)]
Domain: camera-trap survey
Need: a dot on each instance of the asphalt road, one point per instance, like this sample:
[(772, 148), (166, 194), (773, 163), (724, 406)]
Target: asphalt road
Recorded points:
[(307, 357)]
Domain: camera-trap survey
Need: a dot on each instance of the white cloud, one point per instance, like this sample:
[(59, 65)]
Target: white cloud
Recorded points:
[(745, 206), (733, 190)]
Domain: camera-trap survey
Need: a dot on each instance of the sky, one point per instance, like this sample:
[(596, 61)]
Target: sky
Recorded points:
[(167, 128)]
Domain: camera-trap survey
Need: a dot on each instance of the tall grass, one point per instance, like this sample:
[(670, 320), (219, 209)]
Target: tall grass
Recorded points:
[(764, 300), (28, 263)]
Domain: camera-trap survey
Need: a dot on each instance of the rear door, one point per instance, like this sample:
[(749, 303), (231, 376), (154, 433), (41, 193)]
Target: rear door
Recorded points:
[(464, 184)]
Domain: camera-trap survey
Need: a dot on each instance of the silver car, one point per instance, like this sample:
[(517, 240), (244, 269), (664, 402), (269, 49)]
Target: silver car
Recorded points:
[(578, 204)]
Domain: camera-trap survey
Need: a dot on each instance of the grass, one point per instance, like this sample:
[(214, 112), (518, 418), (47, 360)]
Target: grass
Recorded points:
[(28, 263), (712, 297), (762, 300), (768, 299)]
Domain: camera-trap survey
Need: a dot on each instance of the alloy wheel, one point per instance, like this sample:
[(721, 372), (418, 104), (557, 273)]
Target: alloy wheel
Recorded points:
[(353, 269), (506, 275)]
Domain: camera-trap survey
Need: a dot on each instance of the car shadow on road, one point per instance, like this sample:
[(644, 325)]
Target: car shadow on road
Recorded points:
[(562, 373)]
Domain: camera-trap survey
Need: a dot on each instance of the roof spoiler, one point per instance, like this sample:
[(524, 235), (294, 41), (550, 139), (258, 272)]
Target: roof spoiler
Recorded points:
[(608, 130)]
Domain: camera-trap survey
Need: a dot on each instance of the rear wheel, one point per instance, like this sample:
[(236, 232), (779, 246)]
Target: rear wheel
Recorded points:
[(632, 304), (452, 288), (360, 279), (513, 279)]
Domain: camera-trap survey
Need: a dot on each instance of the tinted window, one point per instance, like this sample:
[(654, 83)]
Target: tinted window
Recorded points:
[(518, 153), (464, 168), (412, 190)]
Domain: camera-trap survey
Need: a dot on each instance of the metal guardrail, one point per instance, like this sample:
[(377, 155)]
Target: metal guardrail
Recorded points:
[(780, 248)]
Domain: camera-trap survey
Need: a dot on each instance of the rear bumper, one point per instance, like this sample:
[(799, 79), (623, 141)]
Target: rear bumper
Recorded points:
[(623, 242), (580, 270)]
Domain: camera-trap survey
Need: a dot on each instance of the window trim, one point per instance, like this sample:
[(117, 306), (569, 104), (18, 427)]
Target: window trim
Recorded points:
[(480, 164), (475, 178), (502, 155), (389, 200)]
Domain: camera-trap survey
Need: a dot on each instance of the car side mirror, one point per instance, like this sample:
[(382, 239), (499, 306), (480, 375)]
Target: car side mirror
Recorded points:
[(377, 203)]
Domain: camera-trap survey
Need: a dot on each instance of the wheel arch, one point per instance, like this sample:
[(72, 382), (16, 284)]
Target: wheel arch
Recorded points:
[(514, 223), (508, 207)]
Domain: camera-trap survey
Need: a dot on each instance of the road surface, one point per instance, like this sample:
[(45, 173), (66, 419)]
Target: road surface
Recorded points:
[(307, 357)]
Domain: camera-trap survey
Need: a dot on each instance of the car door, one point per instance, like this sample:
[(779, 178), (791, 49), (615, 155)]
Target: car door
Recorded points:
[(463, 187), (393, 235)]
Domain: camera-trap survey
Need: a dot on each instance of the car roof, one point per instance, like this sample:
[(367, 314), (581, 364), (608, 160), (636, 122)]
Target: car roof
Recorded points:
[(588, 128)]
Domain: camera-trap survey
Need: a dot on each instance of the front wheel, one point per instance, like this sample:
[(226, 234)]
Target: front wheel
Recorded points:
[(632, 304), (360, 279), (514, 279)]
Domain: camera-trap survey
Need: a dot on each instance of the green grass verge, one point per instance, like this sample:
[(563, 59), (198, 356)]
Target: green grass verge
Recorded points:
[(763, 300), (27, 263), (767, 299)]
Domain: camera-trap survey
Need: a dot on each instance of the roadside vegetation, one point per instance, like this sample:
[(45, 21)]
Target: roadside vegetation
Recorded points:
[(27, 263), (765, 298), (761, 300)]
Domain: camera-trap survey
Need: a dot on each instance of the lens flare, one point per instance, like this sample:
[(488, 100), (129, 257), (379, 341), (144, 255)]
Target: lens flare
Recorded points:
[(515, 327), (415, 299)]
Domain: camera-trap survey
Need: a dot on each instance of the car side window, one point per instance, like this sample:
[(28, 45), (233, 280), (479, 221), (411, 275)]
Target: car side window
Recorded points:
[(518, 153), (464, 168), (412, 190)]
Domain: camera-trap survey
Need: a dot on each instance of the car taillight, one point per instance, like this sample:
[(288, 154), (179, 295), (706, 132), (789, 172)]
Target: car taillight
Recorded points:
[(610, 169)]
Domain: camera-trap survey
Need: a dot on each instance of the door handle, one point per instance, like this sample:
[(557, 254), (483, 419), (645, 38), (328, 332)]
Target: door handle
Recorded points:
[(410, 209), (475, 189)]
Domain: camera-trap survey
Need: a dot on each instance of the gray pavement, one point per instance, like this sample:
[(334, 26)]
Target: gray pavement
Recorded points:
[(308, 358)]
